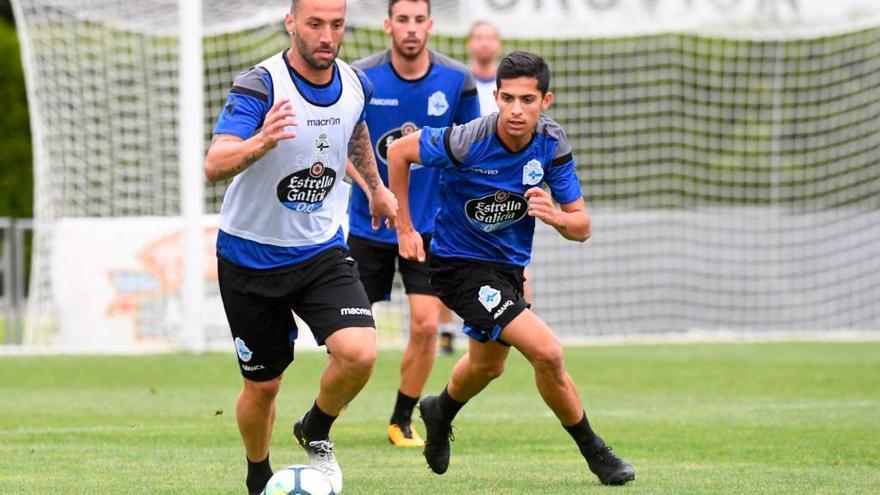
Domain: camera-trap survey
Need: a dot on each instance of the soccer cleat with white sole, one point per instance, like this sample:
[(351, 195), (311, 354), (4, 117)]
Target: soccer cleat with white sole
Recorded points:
[(321, 457)]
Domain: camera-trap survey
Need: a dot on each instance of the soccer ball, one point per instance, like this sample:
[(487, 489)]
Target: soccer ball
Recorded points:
[(298, 480)]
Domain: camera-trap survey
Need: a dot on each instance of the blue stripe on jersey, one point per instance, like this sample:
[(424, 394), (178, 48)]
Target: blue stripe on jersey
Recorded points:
[(246, 106), (258, 256), (444, 96), (483, 210)]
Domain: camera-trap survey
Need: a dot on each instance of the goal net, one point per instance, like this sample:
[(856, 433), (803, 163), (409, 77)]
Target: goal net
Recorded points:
[(728, 151)]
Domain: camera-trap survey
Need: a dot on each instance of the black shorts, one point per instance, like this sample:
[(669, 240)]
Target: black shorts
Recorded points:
[(487, 296), (324, 291), (376, 267)]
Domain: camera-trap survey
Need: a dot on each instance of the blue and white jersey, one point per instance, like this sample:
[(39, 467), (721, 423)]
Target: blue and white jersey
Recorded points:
[(444, 96), (483, 209), (290, 204)]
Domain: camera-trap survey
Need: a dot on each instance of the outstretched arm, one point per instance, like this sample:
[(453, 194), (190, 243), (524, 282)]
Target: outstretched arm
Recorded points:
[(360, 152), (401, 154), (230, 155), (571, 219)]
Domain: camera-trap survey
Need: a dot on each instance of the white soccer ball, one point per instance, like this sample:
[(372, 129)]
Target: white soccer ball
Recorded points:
[(298, 480)]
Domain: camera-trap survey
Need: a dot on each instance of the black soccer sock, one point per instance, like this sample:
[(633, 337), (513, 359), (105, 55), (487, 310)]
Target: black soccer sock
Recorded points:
[(449, 406), (583, 435), (258, 475), (403, 409), (317, 423)]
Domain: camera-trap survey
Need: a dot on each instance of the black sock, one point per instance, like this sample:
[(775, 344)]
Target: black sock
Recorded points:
[(583, 435), (317, 423), (403, 409), (258, 475), (449, 406)]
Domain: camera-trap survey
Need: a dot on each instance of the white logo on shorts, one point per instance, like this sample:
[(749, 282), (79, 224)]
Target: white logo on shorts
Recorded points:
[(355, 312), (489, 297), (241, 348)]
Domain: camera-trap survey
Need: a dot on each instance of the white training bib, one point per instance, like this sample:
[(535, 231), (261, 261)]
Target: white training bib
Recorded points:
[(295, 195)]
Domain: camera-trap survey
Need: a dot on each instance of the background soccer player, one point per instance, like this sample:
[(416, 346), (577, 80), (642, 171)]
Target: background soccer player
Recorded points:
[(484, 48), (414, 87), (493, 169), (280, 245)]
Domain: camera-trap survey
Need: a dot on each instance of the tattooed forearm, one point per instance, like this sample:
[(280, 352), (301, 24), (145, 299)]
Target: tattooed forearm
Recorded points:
[(360, 152), (223, 165)]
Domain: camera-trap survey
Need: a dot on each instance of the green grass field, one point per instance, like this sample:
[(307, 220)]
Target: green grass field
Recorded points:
[(714, 418)]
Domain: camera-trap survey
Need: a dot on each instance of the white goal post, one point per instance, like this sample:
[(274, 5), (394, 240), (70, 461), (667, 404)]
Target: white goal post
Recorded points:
[(728, 150)]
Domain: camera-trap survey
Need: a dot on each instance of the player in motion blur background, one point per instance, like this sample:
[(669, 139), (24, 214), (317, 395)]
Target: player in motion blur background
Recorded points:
[(280, 245), (493, 169), (413, 87)]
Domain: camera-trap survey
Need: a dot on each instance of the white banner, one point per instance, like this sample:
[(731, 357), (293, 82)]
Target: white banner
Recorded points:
[(116, 283), (543, 18)]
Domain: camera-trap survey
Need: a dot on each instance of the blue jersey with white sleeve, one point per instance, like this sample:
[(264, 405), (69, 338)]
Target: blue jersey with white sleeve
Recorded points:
[(444, 96), (483, 209)]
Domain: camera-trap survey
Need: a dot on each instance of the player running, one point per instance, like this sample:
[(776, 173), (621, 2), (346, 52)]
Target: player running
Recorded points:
[(493, 170), (414, 87), (280, 245)]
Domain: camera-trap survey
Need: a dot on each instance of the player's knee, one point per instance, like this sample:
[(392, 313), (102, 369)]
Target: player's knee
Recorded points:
[(488, 371), (548, 359), (423, 326), (359, 362), (263, 391)]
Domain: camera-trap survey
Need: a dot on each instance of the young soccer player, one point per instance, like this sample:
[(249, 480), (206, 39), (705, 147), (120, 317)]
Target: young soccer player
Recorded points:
[(492, 173), (414, 87), (280, 245)]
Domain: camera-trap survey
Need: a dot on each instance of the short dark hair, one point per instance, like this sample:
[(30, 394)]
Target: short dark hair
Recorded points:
[(392, 2), (524, 64)]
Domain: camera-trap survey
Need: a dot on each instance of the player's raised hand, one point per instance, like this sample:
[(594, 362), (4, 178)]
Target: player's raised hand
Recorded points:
[(275, 125), (410, 245), (383, 204), (541, 206)]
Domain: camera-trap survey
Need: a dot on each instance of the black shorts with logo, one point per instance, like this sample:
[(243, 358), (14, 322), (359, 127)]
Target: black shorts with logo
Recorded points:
[(487, 296), (376, 267), (323, 290)]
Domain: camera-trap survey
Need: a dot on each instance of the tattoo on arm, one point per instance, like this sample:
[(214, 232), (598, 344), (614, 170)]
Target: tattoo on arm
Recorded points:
[(238, 167), (360, 151)]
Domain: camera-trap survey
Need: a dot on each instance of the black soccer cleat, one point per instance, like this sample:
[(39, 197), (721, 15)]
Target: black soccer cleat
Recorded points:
[(606, 465), (438, 433)]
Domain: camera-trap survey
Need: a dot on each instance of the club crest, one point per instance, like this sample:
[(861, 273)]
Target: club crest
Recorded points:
[(437, 104), (489, 297), (532, 173)]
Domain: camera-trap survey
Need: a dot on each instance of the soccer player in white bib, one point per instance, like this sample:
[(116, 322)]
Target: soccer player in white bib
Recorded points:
[(284, 136), (484, 47), (414, 87), (494, 170)]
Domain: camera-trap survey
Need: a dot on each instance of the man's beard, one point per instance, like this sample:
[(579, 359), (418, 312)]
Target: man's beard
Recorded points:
[(307, 54), (410, 55)]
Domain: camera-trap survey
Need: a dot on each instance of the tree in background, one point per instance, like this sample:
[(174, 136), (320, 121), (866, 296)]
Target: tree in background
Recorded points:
[(16, 169)]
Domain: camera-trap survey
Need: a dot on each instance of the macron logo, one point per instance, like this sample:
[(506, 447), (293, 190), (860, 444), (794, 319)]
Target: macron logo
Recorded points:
[(355, 312), (384, 102), (324, 122)]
